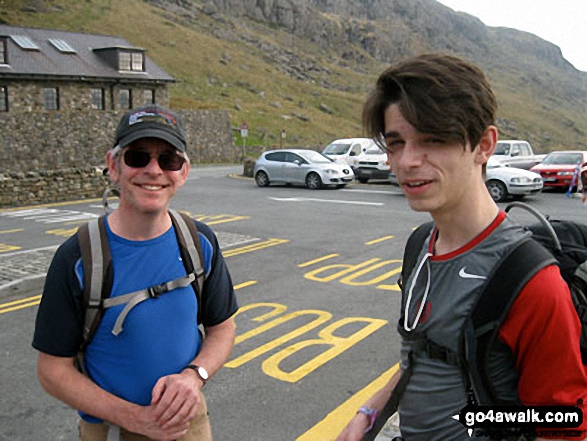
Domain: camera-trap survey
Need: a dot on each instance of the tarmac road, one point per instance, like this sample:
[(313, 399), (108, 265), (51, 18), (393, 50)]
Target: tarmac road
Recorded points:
[(315, 273)]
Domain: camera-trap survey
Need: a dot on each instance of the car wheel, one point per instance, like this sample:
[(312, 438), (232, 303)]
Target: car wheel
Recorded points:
[(497, 190), (363, 180), (262, 179), (313, 181)]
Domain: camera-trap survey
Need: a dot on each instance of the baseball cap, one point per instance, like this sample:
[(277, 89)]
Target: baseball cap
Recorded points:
[(150, 121)]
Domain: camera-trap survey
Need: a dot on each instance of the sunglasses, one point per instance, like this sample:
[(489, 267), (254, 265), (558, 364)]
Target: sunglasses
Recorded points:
[(169, 161)]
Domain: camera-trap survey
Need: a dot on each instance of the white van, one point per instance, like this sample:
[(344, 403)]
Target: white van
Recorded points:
[(346, 151)]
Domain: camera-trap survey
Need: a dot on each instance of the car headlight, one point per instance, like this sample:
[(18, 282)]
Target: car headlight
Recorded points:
[(330, 171), (567, 173), (521, 180)]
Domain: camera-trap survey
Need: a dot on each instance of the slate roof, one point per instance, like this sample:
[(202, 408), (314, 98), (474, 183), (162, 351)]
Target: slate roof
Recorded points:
[(85, 64)]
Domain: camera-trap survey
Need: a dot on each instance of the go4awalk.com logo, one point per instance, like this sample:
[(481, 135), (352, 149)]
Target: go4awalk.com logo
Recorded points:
[(547, 421)]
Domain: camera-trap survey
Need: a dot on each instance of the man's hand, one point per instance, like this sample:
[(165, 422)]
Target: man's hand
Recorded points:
[(175, 399)]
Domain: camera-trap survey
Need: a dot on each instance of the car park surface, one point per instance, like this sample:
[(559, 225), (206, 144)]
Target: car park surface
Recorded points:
[(302, 167), (318, 296), (502, 181), (560, 169)]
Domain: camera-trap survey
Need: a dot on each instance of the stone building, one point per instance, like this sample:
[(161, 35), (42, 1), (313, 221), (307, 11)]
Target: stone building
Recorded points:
[(42, 69), (61, 97)]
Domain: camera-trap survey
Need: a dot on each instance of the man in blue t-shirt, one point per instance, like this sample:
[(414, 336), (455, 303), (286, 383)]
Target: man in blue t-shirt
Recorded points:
[(145, 381)]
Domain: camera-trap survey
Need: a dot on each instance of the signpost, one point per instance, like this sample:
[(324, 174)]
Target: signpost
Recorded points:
[(244, 134), (281, 138)]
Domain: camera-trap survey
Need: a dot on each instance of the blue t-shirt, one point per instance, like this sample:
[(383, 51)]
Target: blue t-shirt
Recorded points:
[(159, 336), (129, 364)]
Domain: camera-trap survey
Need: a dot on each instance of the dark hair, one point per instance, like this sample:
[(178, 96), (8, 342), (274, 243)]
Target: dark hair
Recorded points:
[(438, 94)]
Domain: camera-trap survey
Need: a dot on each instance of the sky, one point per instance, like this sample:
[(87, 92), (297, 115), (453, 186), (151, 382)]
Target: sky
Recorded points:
[(562, 22)]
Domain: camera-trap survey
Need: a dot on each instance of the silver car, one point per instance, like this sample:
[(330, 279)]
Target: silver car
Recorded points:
[(503, 181), (298, 166)]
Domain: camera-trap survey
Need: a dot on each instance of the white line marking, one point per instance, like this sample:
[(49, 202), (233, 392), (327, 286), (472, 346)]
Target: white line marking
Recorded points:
[(378, 204)]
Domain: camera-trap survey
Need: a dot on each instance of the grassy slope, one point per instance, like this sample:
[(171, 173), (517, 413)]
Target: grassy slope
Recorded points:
[(253, 89)]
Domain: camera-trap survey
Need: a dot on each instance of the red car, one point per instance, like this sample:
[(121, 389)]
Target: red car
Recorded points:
[(560, 169)]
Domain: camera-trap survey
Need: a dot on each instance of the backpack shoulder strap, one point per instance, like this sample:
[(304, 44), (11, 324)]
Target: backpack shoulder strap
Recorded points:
[(413, 246), (96, 261), (189, 240), (510, 276)]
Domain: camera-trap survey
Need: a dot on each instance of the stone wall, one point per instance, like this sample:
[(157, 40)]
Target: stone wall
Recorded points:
[(62, 150), (35, 187)]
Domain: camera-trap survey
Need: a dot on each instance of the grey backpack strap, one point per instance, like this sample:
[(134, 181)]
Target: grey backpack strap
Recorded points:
[(134, 298), (187, 235), (93, 243)]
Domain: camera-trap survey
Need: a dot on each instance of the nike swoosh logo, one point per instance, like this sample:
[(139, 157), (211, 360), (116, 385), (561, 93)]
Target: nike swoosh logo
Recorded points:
[(466, 275)]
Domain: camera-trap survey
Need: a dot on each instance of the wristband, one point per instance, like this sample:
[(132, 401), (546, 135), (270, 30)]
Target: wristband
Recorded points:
[(371, 414)]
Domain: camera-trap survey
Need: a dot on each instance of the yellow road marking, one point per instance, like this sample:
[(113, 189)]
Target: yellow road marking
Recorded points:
[(334, 423), (320, 259), (245, 284), (63, 232), (214, 219), (6, 248), (381, 239), (19, 304), (254, 247), (53, 204), (16, 230), (33, 301)]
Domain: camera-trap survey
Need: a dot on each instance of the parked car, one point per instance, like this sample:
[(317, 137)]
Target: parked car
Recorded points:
[(503, 181), (558, 168), (346, 151), (516, 153), (372, 164), (298, 166)]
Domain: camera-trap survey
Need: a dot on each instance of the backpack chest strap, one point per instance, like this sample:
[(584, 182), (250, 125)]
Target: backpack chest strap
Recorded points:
[(134, 298), (420, 344)]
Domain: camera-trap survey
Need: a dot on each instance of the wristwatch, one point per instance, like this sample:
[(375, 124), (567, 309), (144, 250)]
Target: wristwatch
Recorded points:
[(200, 372)]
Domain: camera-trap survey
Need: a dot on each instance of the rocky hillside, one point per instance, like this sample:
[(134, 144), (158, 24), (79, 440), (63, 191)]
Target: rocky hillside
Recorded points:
[(306, 65)]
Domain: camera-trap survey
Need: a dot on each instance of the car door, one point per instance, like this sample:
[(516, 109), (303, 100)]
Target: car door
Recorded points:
[(275, 165), (295, 168)]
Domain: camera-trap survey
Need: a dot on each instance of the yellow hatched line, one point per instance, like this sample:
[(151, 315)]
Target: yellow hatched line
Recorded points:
[(19, 304), (319, 259), (52, 204), (381, 239), (35, 300), (232, 219), (16, 230), (254, 247), (245, 284), (334, 423), (6, 248)]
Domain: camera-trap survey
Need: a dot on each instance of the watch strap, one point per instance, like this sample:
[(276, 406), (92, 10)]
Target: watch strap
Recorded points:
[(196, 369)]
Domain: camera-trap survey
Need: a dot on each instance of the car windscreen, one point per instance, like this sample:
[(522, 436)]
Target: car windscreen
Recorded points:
[(502, 148), (315, 157), (563, 159), (336, 149)]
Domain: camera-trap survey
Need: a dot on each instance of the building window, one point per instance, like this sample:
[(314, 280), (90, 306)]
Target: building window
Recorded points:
[(3, 99), (149, 96), (51, 98), (97, 99), (125, 99), (137, 61), (131, 61), (3, 51)]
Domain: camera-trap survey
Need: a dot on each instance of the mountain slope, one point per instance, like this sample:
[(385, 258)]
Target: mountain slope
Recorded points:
[(305, 66)]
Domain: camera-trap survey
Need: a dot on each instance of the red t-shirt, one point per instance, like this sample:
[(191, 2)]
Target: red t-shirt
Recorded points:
[(542, 329)]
